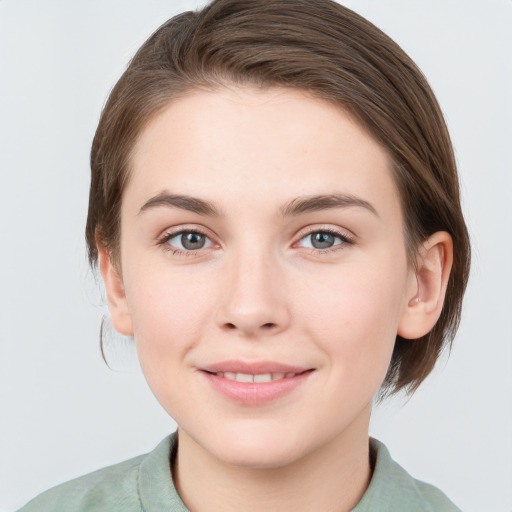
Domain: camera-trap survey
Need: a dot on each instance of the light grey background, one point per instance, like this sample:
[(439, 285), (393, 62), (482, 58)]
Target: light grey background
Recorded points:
[(63, 412)]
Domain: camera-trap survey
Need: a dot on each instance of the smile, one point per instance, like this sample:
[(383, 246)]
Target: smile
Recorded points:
[(255, 384), (260, 377)]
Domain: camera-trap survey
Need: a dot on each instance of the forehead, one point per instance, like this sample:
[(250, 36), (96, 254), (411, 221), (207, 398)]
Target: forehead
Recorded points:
[(245, 144)]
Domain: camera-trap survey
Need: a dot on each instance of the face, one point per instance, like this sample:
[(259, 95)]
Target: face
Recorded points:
[(264, 271)]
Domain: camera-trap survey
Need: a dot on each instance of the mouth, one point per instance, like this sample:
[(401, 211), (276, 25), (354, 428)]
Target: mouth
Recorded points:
[(255, 377), (255, 383)]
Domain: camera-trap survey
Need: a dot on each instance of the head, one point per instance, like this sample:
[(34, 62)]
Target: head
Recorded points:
[(329, 53)]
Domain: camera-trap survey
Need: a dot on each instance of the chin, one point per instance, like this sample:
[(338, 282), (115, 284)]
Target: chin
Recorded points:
[(259, 457), (257, 448)]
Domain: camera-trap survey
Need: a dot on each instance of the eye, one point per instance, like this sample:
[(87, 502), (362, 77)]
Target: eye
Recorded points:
[(323, 240), (187, 241)]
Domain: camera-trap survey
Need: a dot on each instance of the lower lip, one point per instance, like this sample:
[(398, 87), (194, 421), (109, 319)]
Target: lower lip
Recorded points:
[(255, 393)]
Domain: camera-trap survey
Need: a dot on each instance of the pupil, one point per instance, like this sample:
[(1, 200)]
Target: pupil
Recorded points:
[(192, 241), (322, 240)]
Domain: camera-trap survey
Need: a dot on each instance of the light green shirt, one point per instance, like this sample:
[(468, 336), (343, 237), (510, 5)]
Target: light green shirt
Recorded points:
[(144, 484)]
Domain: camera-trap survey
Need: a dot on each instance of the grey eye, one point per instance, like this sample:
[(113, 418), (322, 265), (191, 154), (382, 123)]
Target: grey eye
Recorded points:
[(189, 241), (322, 240), (193, 241)]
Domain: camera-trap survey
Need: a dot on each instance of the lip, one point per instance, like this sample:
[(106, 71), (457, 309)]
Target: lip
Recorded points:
[(256, 367), (254, 393)]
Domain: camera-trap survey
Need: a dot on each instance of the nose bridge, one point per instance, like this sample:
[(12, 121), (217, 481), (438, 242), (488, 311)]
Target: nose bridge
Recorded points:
[(254, 301)]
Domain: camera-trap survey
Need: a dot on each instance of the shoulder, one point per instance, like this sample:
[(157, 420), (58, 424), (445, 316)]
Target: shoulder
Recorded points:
[(113, 488), (105, 489), (392, 488)]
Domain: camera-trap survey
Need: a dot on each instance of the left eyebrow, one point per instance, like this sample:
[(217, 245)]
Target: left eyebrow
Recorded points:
[(307, 204), (183, 202)]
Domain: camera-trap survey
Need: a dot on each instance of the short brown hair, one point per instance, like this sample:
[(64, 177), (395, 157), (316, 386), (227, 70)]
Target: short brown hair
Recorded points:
[(334, 54)]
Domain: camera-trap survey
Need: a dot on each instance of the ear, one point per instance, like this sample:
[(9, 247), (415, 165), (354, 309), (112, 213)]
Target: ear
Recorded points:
[(116, 297), (434, 263)]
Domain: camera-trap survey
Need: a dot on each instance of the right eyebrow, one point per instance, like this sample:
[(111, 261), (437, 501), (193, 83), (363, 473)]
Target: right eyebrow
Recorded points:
[(184, 202), (307, 204)]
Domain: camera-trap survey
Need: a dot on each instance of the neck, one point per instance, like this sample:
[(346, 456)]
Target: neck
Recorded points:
[(333, 478)]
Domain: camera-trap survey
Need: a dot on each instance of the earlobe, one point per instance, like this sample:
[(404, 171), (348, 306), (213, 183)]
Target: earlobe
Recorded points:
[(433, 266), (116, 297)]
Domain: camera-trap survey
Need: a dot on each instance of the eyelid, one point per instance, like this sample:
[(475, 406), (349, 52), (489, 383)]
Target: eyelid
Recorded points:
[(170, 233), (347, 238), (322, 228)]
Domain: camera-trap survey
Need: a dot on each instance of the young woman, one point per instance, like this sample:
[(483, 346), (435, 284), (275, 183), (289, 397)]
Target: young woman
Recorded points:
[(274, 209)]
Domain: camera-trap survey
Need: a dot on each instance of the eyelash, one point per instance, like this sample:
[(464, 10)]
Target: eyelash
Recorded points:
[(344, 238), (180, 252)]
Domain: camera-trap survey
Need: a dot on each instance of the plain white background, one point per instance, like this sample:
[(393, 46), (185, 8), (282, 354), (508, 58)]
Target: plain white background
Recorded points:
[(63, 412)]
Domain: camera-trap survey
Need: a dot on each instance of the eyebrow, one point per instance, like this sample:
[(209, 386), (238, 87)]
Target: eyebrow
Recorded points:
[(295, 207), (184, 202), (307, 204)]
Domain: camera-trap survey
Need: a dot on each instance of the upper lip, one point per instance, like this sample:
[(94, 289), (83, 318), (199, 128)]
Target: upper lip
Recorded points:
[(253, 368)]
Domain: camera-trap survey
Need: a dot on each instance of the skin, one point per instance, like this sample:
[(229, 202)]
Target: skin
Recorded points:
[(259, 290)]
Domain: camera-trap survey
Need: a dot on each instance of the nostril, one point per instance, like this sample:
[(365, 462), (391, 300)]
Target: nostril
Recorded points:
[(269, 325)]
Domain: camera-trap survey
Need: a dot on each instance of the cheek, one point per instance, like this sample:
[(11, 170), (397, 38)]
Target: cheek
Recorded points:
[(169, 313), (353, 316)]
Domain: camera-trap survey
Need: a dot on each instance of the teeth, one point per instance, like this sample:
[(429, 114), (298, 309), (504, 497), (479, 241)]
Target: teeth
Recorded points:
[(244, 377), (247, 377), (266, 377)]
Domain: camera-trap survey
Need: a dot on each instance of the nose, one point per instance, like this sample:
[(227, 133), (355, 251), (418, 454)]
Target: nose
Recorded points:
[(255, 301)]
